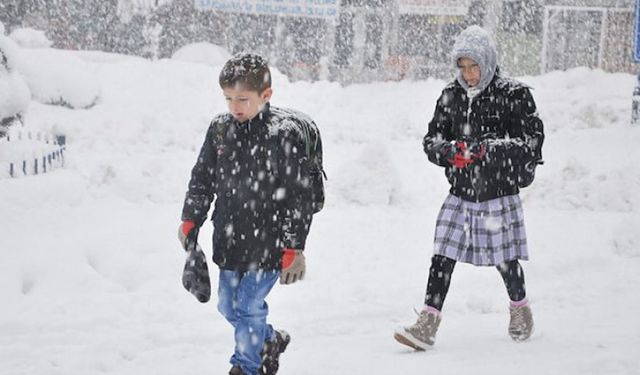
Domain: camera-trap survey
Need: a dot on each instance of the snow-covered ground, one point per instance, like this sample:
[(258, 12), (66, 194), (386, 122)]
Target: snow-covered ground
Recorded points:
[(90, 265)]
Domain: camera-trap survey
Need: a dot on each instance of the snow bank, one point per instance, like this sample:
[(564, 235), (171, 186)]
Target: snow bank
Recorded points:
[(30, 38), (588, 140), (202, 53), (216, 56)]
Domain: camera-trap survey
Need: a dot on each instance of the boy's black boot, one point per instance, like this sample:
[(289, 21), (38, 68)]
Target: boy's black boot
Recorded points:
[(236, 370), (271, 353)]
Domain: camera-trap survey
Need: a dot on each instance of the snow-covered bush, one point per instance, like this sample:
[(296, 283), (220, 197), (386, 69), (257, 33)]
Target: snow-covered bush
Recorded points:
[(14, 92), (63, 80)]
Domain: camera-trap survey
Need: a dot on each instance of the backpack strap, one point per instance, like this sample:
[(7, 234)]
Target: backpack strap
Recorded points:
[(220, 132)]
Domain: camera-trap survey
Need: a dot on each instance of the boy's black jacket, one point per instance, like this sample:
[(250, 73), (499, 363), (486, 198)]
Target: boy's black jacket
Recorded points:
[(504, 118), (260, 175)]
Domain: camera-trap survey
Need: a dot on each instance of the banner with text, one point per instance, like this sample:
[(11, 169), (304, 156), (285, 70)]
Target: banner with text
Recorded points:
[(434, 7), (294, 8)]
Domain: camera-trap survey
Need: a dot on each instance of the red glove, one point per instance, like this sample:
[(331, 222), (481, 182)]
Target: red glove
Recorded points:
[(187, 226), (462, 158), (466, 155), (187, 235), (288, 255), (293, 266)]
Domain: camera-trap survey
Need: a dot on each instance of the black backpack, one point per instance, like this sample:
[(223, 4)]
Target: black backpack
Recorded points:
[(313, 151), (527, 173), (313, 144)]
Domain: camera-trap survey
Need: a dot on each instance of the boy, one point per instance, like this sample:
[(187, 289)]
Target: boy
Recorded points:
[(264, 166), (487, 135)]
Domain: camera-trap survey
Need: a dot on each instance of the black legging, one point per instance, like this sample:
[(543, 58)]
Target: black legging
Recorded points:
[(440, 279)]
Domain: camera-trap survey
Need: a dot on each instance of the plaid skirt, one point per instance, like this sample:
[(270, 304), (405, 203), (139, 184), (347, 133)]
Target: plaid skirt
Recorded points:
[(481, 233)]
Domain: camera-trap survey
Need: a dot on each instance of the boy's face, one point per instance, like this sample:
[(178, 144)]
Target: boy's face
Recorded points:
[(470, 71), (245, 104)]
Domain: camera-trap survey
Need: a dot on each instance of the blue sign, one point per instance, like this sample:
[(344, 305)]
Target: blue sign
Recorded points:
[(636, 49)]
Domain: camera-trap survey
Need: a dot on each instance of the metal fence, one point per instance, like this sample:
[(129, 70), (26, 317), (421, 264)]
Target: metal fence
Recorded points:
[(26, 153), (595, 37)]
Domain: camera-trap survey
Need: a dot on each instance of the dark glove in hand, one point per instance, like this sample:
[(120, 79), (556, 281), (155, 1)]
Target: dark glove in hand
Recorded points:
[(195, 276)]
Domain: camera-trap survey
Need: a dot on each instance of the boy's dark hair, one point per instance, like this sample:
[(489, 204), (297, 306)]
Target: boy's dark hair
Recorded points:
[(248, 70)]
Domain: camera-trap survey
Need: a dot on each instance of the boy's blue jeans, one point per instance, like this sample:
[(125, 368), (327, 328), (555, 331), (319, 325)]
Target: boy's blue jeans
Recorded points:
[(241, 300)]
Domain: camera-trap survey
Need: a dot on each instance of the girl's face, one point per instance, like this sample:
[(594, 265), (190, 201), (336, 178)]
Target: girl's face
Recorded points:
[(470, 71)]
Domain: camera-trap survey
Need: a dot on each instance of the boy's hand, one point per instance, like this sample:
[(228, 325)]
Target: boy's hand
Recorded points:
[(293, 266), (188, 235)]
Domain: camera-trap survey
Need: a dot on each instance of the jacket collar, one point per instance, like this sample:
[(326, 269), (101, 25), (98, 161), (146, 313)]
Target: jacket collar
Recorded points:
[(258, 119)]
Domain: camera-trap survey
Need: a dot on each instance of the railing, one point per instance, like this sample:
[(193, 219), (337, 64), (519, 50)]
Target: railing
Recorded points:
[(26, 152)]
